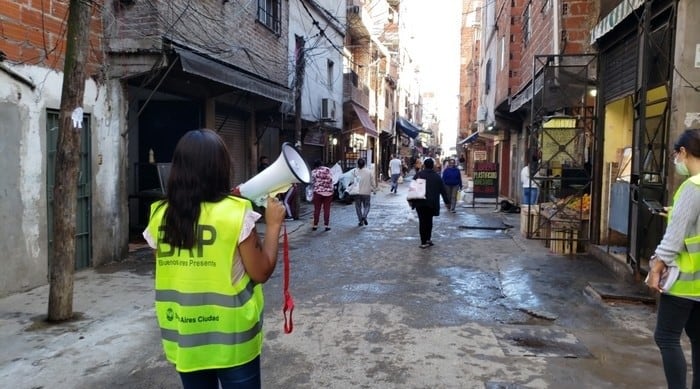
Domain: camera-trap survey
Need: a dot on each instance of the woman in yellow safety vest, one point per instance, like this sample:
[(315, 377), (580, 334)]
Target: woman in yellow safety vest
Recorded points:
[(675, 268), (210, 266)]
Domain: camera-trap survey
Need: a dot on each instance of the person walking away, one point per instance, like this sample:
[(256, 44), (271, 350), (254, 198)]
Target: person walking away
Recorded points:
[(322, 183), (290, 202), (677, 257), (531, 190), (452, 177), (366, 187), (210, 267), (395, 166), (430, 206)]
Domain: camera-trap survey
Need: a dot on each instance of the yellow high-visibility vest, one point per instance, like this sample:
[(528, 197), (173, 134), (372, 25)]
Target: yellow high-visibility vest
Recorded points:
[(205, 321), (688, 282)]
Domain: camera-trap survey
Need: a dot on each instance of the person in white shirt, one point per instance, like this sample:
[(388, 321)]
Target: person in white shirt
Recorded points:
[(531, 189), (395, 170), (678, 305)]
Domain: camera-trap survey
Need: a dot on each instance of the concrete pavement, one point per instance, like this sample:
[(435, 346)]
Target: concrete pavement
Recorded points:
[(484, 308)]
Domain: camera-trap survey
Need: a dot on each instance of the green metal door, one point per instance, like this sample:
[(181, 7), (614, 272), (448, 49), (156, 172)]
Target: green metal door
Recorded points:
[(83, 247)]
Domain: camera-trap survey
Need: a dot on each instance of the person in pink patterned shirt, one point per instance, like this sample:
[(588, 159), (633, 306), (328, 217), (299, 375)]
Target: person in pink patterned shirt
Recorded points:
[(322, 181)]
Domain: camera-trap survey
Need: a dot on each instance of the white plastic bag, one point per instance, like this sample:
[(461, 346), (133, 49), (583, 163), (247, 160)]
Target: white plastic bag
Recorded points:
[(416, 189)]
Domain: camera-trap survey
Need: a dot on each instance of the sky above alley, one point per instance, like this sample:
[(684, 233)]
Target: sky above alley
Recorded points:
[(435, 27)]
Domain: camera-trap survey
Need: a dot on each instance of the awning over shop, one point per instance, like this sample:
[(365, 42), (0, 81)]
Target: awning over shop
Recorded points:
[(407, 127), (366, 121), (624, 9), (470, 139), (208, 68)]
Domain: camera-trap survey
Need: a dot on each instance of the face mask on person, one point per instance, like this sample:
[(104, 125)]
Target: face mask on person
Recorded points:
[(680, 167)]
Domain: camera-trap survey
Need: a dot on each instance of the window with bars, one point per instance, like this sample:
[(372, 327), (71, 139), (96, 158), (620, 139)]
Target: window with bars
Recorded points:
[(269, 14)]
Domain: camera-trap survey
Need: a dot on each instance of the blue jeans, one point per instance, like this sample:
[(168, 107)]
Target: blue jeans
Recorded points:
[(674, 315), (394, 182), (530, 195), (362, 203), (244, 377)]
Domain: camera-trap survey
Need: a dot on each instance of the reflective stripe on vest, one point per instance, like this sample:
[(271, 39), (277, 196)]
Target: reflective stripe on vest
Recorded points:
[(211, 338), (206, 322), (195, 299), (688, 261)]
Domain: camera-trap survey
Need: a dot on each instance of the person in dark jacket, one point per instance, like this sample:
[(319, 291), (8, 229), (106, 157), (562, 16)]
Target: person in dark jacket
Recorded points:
[(430, 206), (452, 177)]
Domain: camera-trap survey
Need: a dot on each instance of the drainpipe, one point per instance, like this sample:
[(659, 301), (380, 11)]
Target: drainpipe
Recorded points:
[(556, 27)]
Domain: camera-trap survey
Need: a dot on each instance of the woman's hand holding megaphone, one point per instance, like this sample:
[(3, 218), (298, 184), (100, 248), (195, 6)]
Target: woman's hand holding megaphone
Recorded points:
[(274, 212)]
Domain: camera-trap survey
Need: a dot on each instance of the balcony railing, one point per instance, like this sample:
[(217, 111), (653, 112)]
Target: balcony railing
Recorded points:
[(358, 19), (355, 91)]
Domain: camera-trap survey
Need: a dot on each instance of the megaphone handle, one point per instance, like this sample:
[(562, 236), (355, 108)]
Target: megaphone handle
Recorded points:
[(288, 300)]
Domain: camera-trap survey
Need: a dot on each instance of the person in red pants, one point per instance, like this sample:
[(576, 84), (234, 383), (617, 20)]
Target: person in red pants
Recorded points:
[(322, 183)]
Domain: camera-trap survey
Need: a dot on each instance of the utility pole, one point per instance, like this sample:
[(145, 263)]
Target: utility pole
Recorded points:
[(62, 262), (300, 65), (299, 68)]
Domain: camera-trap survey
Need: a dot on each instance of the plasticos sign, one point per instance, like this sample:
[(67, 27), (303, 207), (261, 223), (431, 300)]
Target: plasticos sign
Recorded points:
[(485, 180)]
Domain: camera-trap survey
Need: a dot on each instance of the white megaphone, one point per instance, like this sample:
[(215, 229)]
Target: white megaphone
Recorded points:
[(289, 168)]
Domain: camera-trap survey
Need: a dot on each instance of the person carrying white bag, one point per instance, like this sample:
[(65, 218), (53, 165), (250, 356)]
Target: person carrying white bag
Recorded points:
[(428, 206)]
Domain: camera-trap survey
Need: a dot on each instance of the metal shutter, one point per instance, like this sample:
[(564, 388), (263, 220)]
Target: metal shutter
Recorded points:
[(232, 130), (620, 68)]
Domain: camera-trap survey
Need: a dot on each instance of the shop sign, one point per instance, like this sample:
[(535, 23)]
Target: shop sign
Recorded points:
[(485, 180)]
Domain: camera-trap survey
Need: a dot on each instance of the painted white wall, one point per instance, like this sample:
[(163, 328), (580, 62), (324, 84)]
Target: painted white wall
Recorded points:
[(408, 83), (319, 50), (23, 197), (489, 50)]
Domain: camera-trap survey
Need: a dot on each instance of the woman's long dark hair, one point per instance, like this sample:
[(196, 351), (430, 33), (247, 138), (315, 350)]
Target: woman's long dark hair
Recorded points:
[(200, 172)]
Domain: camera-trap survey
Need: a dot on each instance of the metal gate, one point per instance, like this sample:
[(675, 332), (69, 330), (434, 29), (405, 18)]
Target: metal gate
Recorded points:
[(231, 128), (561, 136), (83, 225), (650, 157)]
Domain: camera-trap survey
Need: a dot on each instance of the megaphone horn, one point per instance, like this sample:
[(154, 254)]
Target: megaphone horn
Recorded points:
[(289, 168)]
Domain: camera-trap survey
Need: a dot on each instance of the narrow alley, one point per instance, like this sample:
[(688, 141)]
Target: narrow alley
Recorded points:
[(483, 308)]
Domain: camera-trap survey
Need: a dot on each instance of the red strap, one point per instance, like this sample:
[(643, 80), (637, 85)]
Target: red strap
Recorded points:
[(288, 301)]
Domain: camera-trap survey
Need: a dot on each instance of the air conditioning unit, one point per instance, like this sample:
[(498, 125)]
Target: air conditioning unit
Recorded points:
[(354, 9), (328, 109)]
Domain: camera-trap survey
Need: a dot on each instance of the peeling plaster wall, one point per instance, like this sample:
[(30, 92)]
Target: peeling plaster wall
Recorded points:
[(23, 190), (110, 220), (22, 243)]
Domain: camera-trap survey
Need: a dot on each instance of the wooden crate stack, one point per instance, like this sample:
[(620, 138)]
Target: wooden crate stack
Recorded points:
[(563, 241), (531, 212)]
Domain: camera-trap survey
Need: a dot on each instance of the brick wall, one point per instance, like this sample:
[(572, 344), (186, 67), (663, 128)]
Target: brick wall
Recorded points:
[(468, 83), (134, 27), (226, 30), (577, 19), (540, 42), (34, 32)]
